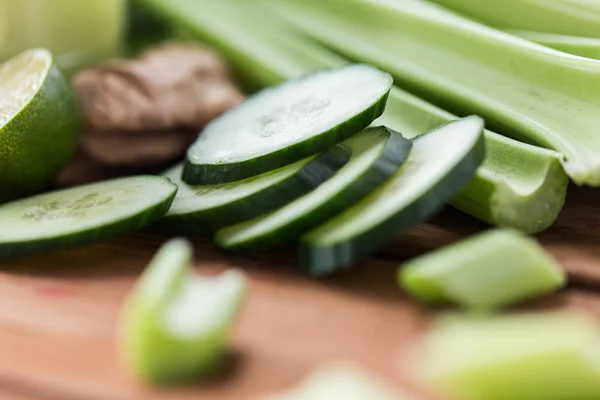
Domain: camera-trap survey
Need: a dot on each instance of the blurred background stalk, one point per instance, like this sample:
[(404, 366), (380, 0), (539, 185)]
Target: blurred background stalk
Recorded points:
[(78, 32)]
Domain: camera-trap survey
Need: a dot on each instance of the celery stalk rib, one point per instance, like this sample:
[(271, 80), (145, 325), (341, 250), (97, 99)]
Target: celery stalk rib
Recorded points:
[(519, 185), (576, 45), (567, 17), (522, 89)]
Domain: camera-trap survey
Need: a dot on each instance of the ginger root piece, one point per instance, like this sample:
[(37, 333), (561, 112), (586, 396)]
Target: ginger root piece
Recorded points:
[(169, 89), (119, 148)]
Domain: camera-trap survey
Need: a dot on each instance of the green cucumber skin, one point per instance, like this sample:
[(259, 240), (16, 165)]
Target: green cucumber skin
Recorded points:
[(210, 174), (122, 227), (306, 179), (318, 261), (395, 153)]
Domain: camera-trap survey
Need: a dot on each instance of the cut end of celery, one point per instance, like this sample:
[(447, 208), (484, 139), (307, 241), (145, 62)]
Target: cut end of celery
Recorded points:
[(549, 356), (537, 210), (527, 194), (495, 269)]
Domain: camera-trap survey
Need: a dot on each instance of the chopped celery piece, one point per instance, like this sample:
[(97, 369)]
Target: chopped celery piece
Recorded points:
[(568, 17), (494, 269), (341, 382), (175, 323), (547, 356), (576, 45), (522, 89), (518, 185)]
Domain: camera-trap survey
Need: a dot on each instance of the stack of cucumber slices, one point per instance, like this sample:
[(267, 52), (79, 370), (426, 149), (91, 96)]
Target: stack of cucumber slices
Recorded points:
[(298, 162)]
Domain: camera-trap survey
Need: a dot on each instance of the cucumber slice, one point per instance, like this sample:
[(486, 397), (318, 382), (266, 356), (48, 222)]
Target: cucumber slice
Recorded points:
[(376, 155), (440, 163), (286, 123), (197, 209), (175, 323), (83, 214)]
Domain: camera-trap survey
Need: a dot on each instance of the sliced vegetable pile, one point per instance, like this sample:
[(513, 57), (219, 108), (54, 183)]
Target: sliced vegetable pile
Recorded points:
[(199, 208), (376, 154), (439, 165), (518, 185), (329, 155), (287, 123), (292, 163)]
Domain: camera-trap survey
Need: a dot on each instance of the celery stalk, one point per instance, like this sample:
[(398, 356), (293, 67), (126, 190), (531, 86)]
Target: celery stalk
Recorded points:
[(552, 356), (495, 269), (519, 185), (576, 45), (77, 32), (522, 89), (567, 17), (261, 49)]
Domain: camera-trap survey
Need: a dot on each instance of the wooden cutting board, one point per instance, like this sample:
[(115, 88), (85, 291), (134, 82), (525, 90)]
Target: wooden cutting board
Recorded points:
[(59, 311)]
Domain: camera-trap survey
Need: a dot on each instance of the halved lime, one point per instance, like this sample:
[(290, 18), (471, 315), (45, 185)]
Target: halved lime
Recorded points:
[(39, 123)]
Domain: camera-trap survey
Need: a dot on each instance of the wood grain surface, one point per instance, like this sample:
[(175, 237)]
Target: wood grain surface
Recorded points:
[(59, 311)]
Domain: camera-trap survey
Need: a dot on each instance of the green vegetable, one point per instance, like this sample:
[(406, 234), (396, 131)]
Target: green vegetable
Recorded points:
[(376, 155), (197, 209), (286, 123), (567, 17), (579, 46), (175, 323), (495, 269), (341, 382), (261, 49), (440, 163), (82, 215), (547, 356), (39, 123), (518, 185), (143, 30), (77, 32), (521, 89)]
